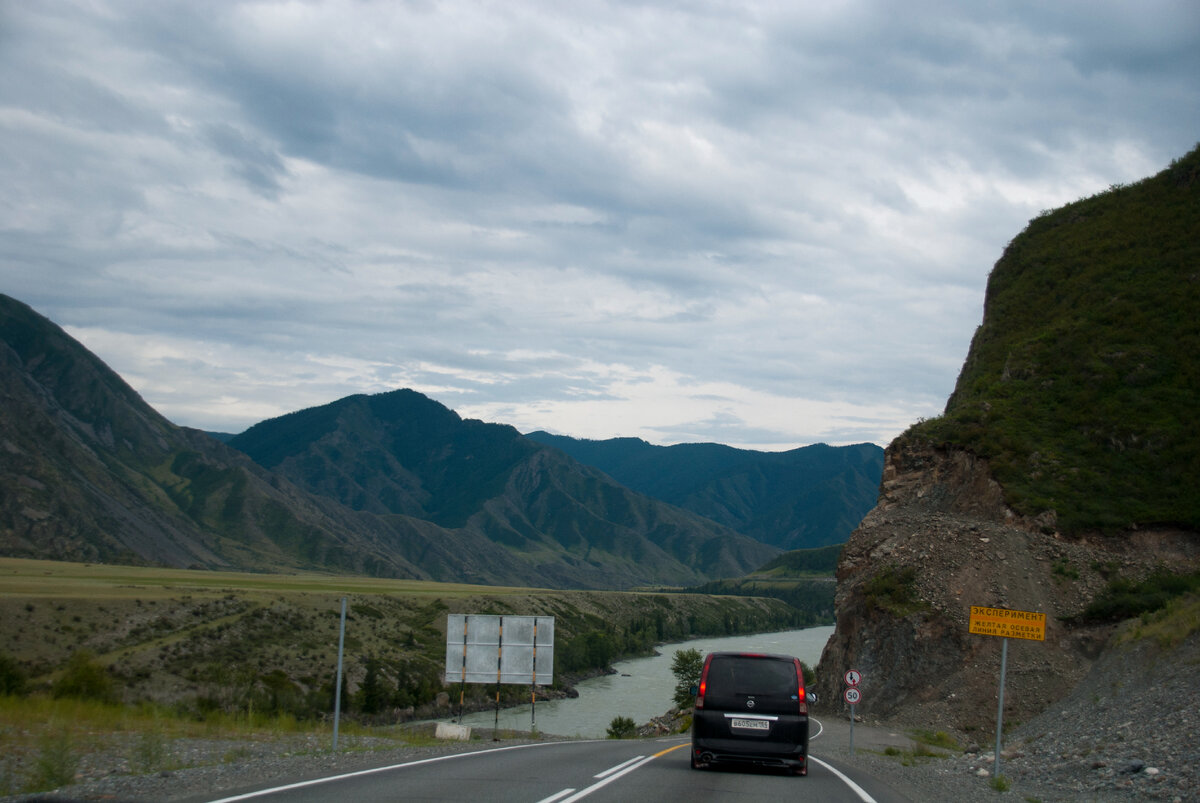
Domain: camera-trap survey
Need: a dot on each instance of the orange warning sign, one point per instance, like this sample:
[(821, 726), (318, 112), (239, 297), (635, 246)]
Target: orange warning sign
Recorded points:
[(1008, 623)]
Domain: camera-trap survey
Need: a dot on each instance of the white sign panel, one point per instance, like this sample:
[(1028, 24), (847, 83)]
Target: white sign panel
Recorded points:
[(499, 649)]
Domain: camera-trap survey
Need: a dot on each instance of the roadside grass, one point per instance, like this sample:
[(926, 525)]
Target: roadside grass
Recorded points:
[(919, 754), (1168, 626), (935, 739), (44, 742)]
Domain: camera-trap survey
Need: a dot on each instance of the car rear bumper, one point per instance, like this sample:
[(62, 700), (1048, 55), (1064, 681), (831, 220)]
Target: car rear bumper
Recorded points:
[(713, 742)]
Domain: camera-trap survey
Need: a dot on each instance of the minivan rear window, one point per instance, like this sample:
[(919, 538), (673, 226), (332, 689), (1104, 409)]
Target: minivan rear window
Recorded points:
[(744, 674)]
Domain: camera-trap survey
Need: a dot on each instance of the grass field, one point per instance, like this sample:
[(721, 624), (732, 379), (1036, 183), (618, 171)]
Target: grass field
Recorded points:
[(46, 578)]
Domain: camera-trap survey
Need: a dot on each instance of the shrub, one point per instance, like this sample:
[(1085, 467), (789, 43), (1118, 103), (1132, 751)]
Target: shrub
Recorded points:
[(622, 728), (1124, 599), (893, 590), (84, 678), (12, 679)]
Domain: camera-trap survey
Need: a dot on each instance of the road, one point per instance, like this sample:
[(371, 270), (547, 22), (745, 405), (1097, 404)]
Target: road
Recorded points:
[(599, 771)]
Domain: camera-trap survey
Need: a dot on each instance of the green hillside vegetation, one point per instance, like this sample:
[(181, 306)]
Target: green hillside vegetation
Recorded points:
[(803, 578), (802, 498), (206, 642), (799, 562), (1082, 385)]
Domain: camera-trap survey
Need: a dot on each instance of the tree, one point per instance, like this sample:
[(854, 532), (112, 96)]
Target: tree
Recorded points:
[(686, 666), (84, 677), (371, 694)]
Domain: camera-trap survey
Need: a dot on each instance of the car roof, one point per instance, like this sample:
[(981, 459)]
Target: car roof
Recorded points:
[(740, 654)]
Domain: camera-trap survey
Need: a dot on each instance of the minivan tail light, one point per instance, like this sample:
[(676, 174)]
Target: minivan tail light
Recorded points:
[(800, 686), (703, 683)]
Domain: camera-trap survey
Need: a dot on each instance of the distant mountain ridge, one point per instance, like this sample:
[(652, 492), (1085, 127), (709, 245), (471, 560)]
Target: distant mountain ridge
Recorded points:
[(401, 453), (391, 485), (803, 498)]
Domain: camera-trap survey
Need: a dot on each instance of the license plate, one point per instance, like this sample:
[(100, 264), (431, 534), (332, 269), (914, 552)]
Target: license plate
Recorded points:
[(751, 724)]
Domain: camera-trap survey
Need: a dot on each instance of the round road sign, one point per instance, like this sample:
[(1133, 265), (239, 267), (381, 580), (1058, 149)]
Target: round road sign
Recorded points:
[(853, 678), (853, 695)]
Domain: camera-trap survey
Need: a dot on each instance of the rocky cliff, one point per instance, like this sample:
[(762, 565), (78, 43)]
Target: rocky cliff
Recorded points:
[(940, 540)]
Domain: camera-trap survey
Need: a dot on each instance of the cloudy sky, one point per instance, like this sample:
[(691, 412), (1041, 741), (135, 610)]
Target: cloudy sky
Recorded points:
[(755, 223)]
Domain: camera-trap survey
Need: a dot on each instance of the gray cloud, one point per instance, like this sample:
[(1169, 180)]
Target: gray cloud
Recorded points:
[(751, 223)]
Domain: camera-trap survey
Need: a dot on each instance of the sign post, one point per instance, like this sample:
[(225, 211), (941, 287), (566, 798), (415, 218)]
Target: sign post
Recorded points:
[(337, 693), (852, 695), (1006, 624)]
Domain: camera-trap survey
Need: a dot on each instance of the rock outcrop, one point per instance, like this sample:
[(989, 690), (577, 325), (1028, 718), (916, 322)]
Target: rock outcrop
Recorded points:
[(940, 540)]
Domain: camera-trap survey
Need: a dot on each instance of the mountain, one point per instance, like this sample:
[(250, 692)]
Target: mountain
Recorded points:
[(90, 472), (803, 498), (403, 454), (1063, 477)]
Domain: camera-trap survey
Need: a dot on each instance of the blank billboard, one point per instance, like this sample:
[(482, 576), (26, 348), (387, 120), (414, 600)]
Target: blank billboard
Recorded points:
[(485, 648)]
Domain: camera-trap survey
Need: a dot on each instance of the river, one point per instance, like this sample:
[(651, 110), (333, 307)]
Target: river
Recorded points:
[(642, 687)]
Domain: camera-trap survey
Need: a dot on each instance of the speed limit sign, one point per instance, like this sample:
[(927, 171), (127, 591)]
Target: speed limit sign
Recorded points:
[(852, 695)]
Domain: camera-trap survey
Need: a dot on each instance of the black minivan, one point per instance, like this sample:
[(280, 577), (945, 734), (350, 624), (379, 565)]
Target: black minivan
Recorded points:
[(751, 708)]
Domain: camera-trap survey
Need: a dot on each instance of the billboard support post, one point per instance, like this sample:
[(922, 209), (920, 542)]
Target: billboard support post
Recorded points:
[(499, 666), (462, 687)]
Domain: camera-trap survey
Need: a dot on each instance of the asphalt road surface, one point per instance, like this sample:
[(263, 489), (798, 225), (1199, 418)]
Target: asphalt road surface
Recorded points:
[(599, 771)]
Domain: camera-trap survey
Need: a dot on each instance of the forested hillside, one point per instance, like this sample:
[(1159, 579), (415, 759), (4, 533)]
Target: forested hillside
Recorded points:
[(1082, 387)]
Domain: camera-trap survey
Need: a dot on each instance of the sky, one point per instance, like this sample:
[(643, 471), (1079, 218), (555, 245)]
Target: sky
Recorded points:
[(764, 224)]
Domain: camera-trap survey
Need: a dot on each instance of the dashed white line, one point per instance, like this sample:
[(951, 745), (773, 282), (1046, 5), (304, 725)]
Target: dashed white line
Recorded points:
[(622, 765)]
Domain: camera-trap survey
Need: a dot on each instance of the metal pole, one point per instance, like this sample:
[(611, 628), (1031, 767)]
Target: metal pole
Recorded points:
[(337, 693), (533, 683), (499, 663), (851, 729), (462, 689), (1000, 708)]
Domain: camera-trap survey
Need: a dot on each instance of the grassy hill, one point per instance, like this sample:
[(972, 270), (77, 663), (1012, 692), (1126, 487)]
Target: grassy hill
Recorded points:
[(1082, 385)]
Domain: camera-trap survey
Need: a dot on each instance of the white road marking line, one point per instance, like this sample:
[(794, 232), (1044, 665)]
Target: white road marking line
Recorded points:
[(582, 793), (611, 770), (858, 790), (556, 796), (359, 773)]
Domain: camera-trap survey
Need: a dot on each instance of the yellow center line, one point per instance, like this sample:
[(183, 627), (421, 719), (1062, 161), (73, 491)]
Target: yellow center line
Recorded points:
[(669, 749)]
